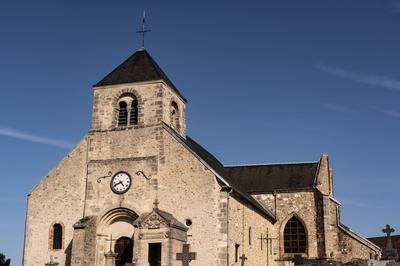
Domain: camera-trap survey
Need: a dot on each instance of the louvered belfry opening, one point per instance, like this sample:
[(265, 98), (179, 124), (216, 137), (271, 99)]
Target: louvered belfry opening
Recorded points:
[(133, 119), (295, 240), (57, 236), (122, 114)]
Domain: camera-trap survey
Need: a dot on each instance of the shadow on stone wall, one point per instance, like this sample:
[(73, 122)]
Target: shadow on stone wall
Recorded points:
[(68, 253)]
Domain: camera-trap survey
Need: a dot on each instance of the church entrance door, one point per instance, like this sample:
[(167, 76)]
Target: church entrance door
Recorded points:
[(124, 249)]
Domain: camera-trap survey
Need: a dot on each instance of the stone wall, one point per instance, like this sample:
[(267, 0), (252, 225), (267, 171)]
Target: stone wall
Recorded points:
[(84, 242), (58, 198), (350, 248), (306, 206), (189, 190), (241, 219)]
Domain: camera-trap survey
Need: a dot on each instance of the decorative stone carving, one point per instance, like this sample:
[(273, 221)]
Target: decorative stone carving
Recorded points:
[(154, 221)]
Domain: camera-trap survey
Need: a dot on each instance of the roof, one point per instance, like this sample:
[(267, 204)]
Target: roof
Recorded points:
[(359, 238), (209, 160), (138, 67), (380, 241), (272, 177)]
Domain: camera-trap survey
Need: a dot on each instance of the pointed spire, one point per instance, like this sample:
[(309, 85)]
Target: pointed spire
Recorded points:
[(138, 67)]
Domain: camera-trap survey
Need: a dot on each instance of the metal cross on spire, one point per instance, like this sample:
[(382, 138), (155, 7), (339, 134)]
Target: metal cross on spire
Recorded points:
[(143, 30)]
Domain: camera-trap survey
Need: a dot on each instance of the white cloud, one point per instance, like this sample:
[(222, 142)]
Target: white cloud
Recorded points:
[(373, 80), (356, 203), (338, 108), (388, 112), (14, 133)]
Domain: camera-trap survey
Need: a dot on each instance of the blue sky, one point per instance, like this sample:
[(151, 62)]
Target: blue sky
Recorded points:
[(267, 81)]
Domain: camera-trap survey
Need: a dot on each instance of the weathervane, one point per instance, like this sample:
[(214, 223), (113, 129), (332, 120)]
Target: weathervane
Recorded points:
[(143, 30)]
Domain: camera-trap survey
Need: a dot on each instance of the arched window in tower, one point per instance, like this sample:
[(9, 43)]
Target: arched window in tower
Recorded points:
[(175, 115), (122, 114), (295, 239), (133, 116), (57, 236)]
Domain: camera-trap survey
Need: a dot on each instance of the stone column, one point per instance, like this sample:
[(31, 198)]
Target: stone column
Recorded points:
[(110, 258)]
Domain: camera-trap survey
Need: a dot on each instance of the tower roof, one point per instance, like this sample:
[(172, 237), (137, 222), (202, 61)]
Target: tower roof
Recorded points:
[(137, 68)]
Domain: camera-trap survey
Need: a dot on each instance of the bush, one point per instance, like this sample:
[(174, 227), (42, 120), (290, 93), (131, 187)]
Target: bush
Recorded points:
[(4, 261)]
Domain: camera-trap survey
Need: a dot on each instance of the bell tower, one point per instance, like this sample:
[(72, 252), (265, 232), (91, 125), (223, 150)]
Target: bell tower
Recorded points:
[(135, 95)]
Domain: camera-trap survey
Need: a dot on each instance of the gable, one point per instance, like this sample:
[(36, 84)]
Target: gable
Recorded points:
[(209, 161)]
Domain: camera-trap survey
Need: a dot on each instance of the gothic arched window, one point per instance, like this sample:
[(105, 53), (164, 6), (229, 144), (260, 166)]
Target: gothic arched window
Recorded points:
[(295, 239), (175, 115), (134, 112), (57, 236), (122, 114)]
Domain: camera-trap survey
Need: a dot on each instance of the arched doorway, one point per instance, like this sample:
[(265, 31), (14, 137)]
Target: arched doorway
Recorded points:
[(124, 249)]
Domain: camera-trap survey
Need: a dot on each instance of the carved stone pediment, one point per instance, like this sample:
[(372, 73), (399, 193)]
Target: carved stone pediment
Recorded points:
[(157, 219), (154, 221)]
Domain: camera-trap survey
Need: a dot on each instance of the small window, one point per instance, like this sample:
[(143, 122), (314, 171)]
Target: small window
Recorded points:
[(57, 236), (295, 240), (175, 115), (122, 114), (249, 235), (237, 246)]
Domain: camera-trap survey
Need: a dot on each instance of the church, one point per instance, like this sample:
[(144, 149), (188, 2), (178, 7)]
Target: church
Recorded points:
[(137, 190)]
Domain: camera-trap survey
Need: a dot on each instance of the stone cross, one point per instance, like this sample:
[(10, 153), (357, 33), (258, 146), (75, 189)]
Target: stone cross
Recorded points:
[(243, 258), (262, 239), (186, 257), (388, 230)]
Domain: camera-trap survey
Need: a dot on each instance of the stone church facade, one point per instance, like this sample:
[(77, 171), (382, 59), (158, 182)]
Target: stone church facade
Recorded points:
[(138, 191)]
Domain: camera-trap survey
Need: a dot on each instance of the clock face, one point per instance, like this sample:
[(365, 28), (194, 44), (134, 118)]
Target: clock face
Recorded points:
[(120, 183)]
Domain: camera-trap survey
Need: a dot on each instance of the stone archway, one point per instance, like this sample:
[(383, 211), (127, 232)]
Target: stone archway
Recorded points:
[(116, 232)]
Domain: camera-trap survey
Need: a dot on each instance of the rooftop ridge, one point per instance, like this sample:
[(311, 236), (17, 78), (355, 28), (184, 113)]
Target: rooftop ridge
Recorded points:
[(262, 164)]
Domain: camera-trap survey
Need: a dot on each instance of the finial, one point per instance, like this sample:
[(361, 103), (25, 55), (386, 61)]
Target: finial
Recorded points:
[(143, 30)]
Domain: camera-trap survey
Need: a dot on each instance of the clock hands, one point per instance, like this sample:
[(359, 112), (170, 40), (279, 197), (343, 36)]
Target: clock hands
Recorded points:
[(120, 183)]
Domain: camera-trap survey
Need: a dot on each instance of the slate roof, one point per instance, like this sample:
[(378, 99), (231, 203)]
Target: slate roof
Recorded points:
[(137, 68), (270, 177), (381, 242)]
